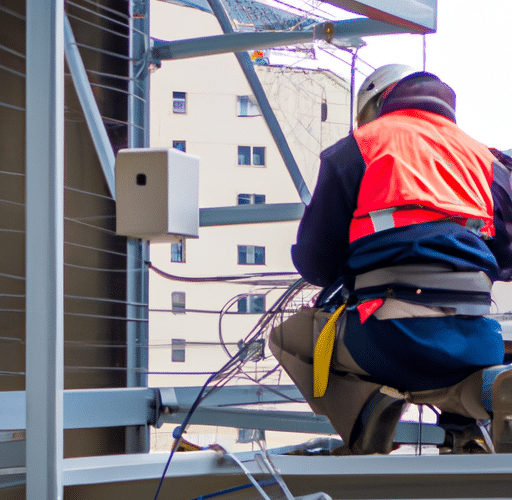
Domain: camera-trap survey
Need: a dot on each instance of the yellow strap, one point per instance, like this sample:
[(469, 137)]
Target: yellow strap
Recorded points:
[(323, 354)]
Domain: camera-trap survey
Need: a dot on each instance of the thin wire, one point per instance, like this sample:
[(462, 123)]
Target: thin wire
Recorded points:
[(99, 299), (187, 418), (11, 106), (13, 71), (103, 51), (199, 311), (12, 173), (216, 278), (12, 276), (102, 229), (99, 26), (101, 316), (108, 9), (105, 197), (104, 250), (12, 13), (105, 270), (102, 16)]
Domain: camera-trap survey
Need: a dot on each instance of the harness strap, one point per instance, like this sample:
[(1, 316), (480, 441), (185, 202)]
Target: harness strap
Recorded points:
[(466, 293), (323, 354)]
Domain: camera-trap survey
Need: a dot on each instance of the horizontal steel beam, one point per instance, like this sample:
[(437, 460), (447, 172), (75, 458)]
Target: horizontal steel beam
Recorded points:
[(294, 421), (250, 214), (346, 33), (88, 408), (364, 477), (153, 406)]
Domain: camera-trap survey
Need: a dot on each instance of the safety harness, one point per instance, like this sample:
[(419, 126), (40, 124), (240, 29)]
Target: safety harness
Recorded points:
[(400, 291)]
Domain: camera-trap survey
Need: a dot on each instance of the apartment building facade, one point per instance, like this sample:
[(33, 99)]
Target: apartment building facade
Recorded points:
[(205, 107)]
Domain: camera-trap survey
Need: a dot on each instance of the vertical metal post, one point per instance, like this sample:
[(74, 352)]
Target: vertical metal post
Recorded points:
[(352, 88), (137, 439), (44, 248)]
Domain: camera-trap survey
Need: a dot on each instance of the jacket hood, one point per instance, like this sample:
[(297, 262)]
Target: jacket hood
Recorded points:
[(421, 91)]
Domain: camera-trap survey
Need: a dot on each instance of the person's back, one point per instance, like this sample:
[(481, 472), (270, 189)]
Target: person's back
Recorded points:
[(405, 214)]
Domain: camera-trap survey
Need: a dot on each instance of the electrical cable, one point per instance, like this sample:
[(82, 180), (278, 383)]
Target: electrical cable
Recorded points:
[(207, 279), (191, 411)]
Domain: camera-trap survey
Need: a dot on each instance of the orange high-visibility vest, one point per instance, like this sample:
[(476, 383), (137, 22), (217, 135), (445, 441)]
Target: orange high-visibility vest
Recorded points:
[(421, 167)]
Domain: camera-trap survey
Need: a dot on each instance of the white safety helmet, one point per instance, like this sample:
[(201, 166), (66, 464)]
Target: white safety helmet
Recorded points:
[(368, 97)]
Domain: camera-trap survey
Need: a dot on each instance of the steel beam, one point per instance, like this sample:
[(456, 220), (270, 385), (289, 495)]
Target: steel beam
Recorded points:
[(449, 476), (137, 439), (268, 114), (346, 33), (89, 408), (363, 477), (250, 214), (90, 108), (44, 248), (417, 16), (223, 407)]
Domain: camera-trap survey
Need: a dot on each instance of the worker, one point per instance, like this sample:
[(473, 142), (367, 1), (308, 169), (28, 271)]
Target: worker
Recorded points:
[(413, 217)]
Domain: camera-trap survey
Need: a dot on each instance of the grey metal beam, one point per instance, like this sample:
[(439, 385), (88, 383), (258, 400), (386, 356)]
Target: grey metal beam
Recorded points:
[(44, 191), (89, 408), (346, 33), (294, 421), (449, 476), (250, 214), (90, 108), (250, 74), (418, 16), (152, 406), (229, 42), (363, 477)]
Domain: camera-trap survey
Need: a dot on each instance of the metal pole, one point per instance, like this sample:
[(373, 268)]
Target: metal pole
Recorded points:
[(44, 248), (137, 438)]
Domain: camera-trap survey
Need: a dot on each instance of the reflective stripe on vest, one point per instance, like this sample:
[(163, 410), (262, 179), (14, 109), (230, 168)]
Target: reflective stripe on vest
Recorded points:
[(380, 220)]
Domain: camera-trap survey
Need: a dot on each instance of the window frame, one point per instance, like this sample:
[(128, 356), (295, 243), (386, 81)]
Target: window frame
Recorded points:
[(180, 254), (250, 304), (254, 255), (179, 142), (178, 350), (246, 156), (253, 199), (247, 107), (179, 302), (177, 98)]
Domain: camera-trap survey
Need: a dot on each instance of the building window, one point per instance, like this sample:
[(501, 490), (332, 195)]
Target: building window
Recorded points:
[(252, 304), (179, 102), (247, 106), (248, 155), (178, 350), (178, 302), (178, 251), (248, 254), (323, 111), (250, 199), (181, 145)]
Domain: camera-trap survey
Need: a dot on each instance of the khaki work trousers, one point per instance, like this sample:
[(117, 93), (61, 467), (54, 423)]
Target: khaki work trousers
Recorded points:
[(292, 343)]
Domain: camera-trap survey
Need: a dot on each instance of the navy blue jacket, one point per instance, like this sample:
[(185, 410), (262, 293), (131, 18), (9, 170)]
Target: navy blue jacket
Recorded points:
[(323, 254), (409, 353)]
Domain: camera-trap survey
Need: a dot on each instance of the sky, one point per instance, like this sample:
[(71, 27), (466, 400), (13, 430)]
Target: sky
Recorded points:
[(472, 52)]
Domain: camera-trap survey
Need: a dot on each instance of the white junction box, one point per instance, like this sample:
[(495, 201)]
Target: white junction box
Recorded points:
[(157, 194)]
